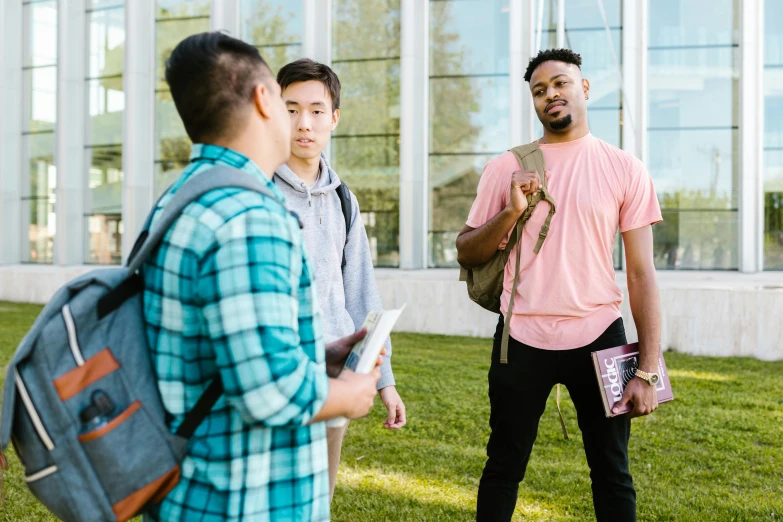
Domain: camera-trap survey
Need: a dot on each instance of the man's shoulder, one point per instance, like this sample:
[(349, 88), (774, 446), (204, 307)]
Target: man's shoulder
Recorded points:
[(625, 159), (505, 163)]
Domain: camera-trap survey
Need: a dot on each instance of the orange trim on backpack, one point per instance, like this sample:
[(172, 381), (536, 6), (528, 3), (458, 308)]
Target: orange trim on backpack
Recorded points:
[(153, 492), (116, 421), (95, 368)]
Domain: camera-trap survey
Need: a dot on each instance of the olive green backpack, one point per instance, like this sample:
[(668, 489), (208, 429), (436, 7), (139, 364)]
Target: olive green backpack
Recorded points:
[(485, 282)]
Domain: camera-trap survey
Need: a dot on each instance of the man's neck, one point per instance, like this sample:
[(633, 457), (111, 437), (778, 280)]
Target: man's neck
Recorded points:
[(306, 169), (564, 137)]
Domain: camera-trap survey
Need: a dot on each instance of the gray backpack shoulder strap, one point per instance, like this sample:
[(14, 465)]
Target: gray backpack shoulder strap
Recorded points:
[(202, 183)]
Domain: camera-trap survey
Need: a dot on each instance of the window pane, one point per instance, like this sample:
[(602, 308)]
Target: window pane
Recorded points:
[(605, 124), (182, 8), (365, 29), (773, 137), (42, 175), (675, 23), (275, 27), (104, 4), (687, 86), (107, 103), (104, 233), (582, 14), (773, 34), (773, 209), (705, 240), (369, 98), (41, 87), (40, 23), (104, 194), (41, 228), (469, 114), (693, 136), (452, 180), (773, 108), (173, 142), (368, 161), (365, 149), (276, 56), (106, 37), (469, 119), (267, 22), (168, 33), (695, 169), (469, 37)]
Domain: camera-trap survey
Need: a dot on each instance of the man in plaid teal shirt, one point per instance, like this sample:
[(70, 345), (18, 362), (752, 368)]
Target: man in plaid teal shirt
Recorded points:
[(229, 294)]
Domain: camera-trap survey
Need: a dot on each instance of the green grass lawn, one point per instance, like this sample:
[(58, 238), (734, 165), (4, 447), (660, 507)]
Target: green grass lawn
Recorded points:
[(714, 454)]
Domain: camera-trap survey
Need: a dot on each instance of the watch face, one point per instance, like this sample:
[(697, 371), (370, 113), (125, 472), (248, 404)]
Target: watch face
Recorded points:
[(654, 378)]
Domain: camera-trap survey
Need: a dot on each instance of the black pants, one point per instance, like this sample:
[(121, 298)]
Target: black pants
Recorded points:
[(517, 394)]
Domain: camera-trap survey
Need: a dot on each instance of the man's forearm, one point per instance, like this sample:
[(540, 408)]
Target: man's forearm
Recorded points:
[(646, 309), (337, 402), (476, 247)]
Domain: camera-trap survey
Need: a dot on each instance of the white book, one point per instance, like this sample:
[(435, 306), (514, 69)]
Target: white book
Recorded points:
[(365, 353)]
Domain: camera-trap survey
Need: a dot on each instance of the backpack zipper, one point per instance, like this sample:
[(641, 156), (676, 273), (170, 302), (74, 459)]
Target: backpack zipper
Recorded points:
[(41, 474), (36, 420), (73, 341)]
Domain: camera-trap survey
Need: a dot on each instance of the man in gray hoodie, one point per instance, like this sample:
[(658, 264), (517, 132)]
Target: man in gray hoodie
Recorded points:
[(339, 252)]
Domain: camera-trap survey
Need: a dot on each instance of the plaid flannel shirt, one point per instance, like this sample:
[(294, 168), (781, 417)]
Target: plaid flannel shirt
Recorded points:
[(229, 293)]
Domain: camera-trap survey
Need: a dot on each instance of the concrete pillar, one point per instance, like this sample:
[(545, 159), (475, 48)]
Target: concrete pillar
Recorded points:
[(224, 16), (751, 125), (634, 77), (69, 240), (138, 158), (317, 30), (414, 106), (11, 95)]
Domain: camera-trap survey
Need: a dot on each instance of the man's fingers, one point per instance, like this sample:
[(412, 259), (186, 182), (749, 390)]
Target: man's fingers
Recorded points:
[(401, 420), (623, 402), (356, 336)]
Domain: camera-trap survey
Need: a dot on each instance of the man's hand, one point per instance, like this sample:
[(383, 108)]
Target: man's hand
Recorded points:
[(364, 392), (394, 405), (643, 397), (523, 182), (337, 352)]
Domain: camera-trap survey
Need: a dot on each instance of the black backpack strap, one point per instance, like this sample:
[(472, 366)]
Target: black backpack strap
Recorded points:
[(345, 203), (196, 416)]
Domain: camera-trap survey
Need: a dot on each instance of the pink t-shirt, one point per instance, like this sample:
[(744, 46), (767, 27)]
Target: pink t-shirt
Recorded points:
[(567, 294)]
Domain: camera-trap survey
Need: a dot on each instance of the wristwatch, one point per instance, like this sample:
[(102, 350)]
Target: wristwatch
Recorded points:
[(650, 378)]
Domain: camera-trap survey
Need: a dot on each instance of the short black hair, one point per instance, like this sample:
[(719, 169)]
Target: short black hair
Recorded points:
[(549, 55), (212, 76), (304, 70)]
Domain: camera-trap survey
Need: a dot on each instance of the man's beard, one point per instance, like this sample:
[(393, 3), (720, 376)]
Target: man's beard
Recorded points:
[(561, 124)]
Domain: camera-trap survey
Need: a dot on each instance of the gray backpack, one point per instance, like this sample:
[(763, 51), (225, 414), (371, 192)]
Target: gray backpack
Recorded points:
[(81, 402)]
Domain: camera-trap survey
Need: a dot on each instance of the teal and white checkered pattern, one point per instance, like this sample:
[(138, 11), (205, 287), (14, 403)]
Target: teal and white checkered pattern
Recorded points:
[(230, 293)]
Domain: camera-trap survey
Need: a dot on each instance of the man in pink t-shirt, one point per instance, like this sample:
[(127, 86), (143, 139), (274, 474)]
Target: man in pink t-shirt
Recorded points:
[(567, 303)]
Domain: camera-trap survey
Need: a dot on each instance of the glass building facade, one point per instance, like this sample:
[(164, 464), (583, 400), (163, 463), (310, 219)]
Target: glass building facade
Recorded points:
[(672, 84)]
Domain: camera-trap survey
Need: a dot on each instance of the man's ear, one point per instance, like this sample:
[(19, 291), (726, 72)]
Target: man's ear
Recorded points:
[(586, 87), (262, 101), (335, 118)]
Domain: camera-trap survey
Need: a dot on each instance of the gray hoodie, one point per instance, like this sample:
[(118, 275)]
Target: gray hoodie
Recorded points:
[(346, 294)]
